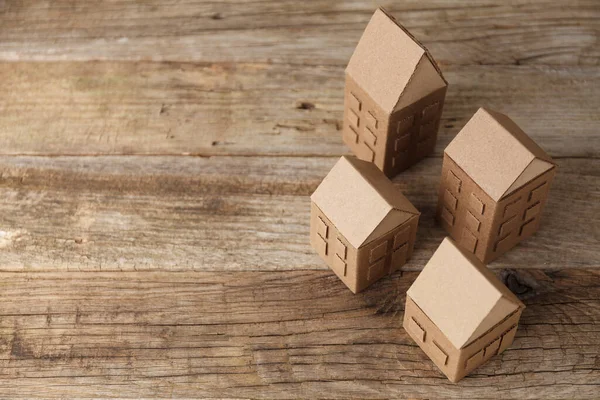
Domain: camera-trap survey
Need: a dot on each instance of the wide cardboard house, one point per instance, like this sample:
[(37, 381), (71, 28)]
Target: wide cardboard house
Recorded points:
[(494, 185), (361, 225), (459, 313), (394, 97)]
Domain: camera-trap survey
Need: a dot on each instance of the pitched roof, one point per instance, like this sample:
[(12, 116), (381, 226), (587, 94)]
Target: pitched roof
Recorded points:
[(460, 295), (392, 66), (497, 154), (361, 201)]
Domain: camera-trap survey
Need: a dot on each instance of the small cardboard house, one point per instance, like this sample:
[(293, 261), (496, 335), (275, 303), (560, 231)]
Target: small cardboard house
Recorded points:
[(494, 185), (459, 313), (394, 97), (360, 224)]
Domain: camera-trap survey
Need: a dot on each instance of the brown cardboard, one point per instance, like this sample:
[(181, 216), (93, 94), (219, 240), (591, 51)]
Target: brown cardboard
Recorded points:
[(494, 185), (458, 312), (361, 225), (394, 97)]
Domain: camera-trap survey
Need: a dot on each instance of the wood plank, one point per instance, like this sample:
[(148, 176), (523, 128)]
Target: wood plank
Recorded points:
[(249, 109), (309, 33), (233, 213), (275, 335)]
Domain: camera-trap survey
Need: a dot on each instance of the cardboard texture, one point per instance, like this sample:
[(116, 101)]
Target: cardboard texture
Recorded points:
[(459, 313), (361, 225), (394, 97), (494, 185)]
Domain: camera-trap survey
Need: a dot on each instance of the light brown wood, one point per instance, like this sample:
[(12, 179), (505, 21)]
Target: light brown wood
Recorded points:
[(248, 109), (234, 213), (156, 159), (275, 335), (287, 32)]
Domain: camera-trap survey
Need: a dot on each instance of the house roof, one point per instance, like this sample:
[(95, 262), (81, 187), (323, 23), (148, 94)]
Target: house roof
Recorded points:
[(392, 66), (361, 201), (460, 295), (497, 154)]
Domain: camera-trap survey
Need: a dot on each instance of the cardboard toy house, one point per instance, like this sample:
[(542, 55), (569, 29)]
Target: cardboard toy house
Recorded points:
[(394, 97), (459, 313), (494, 185), (360, 224)]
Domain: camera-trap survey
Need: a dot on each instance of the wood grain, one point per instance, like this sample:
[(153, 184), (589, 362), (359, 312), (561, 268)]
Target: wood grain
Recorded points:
[(286, 32), (241, 109), (275, 335), (156, 162), (233, 213)]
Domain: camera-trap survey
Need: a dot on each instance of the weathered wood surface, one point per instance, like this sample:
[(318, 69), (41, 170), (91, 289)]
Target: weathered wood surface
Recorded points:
[(241, 109), (275, 335), (287, 32), (234, 213), (128, 270)]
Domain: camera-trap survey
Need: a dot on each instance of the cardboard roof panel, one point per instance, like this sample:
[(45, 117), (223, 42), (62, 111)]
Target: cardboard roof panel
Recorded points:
[(357, 198), (495, 152), (460, 295), (425, 80), (385, 60)]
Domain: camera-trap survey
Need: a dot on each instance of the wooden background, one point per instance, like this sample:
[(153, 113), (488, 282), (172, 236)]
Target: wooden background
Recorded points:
[(156, 159)]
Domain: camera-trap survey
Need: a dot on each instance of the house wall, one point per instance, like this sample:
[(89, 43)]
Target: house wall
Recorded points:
[(365, 124), (386, 254), (465, 210), (333, 247), (392, 142), (518, 216), (457, 363), (412, 132)]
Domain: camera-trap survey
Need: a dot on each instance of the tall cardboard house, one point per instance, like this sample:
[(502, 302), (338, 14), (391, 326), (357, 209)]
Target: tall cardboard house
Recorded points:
[(494, 185), (394, 97), (360, 224), (459, 313)]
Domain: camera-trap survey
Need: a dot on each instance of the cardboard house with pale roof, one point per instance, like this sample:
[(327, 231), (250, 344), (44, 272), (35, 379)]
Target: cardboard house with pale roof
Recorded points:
[(459, 313), (494, 186), (393, 97), (361, 225)]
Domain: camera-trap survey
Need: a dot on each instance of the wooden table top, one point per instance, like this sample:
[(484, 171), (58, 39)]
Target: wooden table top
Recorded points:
[(156, 162)]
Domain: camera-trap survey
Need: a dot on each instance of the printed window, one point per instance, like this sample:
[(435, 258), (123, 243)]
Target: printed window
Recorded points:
[(339, 265), (353, 134), (532, 211), (507, 226), (471, 222), (322, 228), (439, 356), (453, 182), (512, 208), (401, 237), (340, 249), (528, 228), (476, 204), (416, 329), (430, 112), (354, 102), (447, 216), (475, 360), (507, 338), (371, 120), (449, 200), (405, 124), (353, 118), (376, 270), (537, 193), (378, 252), (469, 241)]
